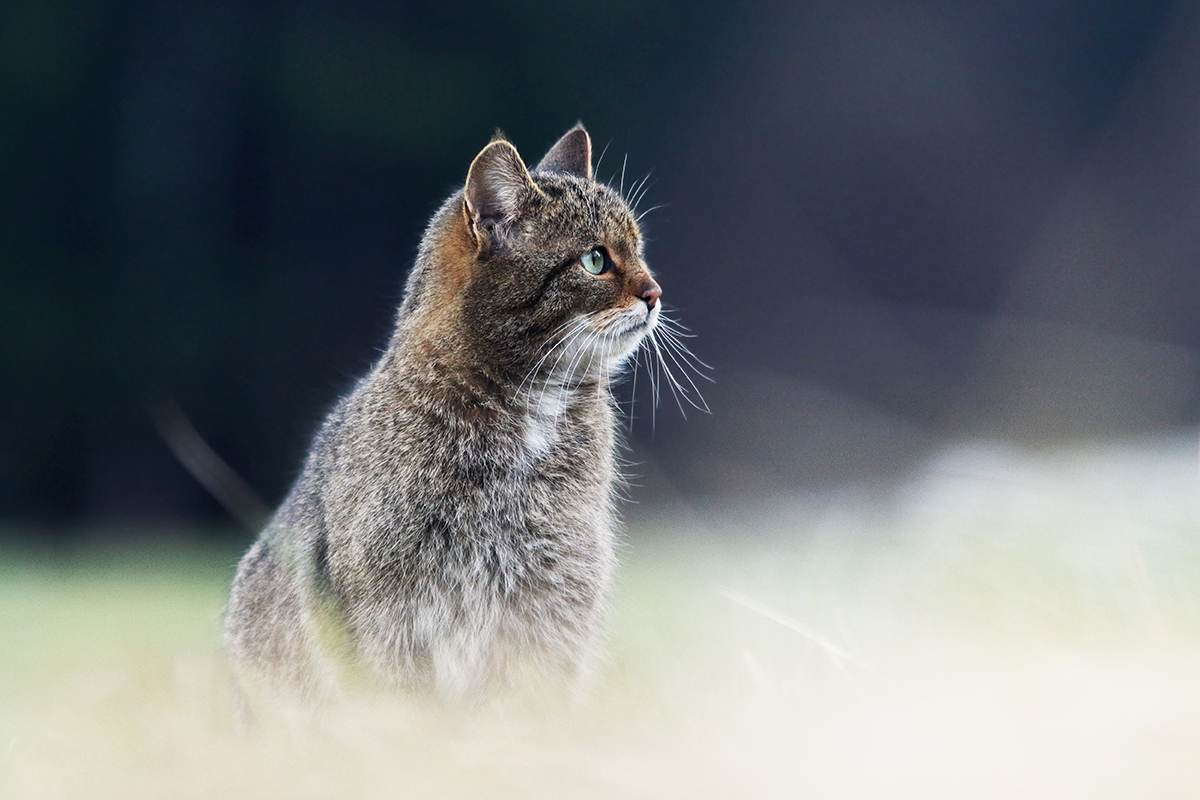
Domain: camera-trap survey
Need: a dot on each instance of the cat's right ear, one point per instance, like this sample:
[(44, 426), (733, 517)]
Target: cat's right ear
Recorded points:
[(571, 154), (498, 187)]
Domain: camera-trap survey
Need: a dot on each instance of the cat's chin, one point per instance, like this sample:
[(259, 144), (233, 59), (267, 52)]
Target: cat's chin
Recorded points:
[(636, 322), (630, 340), (627, 331)]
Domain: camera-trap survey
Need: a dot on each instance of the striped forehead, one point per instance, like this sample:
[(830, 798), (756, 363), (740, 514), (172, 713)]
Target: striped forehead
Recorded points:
[(572, 201)]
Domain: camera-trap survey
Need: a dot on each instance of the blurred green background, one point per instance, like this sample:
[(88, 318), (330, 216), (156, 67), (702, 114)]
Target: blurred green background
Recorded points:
[(887, 225)]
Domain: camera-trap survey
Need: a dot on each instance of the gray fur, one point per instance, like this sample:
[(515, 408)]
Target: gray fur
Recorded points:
[(452, 532)]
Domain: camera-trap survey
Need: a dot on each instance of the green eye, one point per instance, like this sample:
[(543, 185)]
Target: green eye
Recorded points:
[(593, 262)]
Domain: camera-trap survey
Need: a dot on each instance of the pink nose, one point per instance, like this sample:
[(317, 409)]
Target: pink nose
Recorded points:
[(651, 291)]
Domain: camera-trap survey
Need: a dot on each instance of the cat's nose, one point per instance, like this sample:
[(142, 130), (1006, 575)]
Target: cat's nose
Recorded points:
[(651, 291)]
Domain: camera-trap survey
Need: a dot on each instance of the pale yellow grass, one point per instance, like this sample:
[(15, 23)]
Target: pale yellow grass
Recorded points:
[(1003, 624)]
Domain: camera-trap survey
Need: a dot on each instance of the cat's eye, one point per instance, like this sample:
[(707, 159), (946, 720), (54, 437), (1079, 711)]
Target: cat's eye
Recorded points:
[(593, 262)]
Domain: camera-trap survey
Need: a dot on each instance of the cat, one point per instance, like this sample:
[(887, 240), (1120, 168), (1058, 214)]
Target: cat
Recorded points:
[(452, 534)]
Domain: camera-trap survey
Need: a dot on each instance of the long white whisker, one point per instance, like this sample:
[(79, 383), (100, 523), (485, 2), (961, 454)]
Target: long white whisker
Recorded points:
[(642, 214), (658, 377), (571, 368), (652, 376), (681, 356), (607, 364), (585, 348), (638, 191), (663, 369), (641, 195), (577, 324), (675, 325), (676, 332), (677, 389), (577, 332), (633, 190), (586, 333), (596, 169), (560, 382), (702, 405), (574, 325), (637, 362), (682, 350)]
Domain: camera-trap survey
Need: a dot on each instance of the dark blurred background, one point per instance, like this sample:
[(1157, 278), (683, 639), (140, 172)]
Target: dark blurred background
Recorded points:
[(888, 224)]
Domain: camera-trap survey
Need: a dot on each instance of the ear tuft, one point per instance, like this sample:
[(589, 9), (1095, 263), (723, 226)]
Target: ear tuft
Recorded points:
[(571, 154), (498, 184)]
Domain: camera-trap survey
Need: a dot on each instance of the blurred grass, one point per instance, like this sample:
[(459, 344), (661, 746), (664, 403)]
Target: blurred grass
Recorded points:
[(1003, 624)]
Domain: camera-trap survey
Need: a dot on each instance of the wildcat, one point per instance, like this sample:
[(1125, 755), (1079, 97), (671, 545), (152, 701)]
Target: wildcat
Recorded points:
[(451, 534)]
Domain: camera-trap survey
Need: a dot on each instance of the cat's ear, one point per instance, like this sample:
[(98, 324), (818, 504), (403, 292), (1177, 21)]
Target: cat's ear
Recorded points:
[(498, 186), (571, 154)]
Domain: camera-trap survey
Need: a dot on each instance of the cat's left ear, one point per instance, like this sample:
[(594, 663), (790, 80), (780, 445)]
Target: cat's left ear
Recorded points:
[(498, 187), (571, 154)]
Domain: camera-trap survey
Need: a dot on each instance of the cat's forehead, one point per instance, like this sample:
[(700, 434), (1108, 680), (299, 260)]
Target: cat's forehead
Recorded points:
[(585, 206)]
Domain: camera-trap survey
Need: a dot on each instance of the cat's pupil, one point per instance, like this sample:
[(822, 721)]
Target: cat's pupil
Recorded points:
[(593, 262)]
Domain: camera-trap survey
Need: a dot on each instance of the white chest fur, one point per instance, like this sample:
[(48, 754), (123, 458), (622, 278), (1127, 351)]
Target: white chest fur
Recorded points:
[(546, 414)]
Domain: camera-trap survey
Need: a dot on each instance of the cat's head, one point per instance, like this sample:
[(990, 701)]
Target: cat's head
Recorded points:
[(548, 265)]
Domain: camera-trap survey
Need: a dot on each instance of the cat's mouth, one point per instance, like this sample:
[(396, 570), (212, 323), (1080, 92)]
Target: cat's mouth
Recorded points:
[(594, 344), (627, 328), (636, 321)]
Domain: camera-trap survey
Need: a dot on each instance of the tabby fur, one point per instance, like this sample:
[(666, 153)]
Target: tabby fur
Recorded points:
[(451, 535)]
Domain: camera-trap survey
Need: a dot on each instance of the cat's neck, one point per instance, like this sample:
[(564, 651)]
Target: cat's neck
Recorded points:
[(448, 368), (432, 308)]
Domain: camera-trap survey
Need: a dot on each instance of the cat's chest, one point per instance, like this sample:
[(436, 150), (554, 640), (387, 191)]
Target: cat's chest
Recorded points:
[(541, 426)]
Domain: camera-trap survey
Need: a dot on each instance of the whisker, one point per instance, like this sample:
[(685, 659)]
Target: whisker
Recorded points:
[(641, 360), (676, 331), (656, 362), (607, 363), (642, 214), (676, 389), (694, 398), (637, 362), (674, 323), (587, 333), (682, 350), (595, 345), (579, 323), (652, 374), (549, 383), (638, 191), (690, 362), (641, 195), (585, 349), (670, 347), (596, 169)]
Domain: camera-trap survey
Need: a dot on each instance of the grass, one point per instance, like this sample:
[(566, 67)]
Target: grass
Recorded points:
[(1003, 624)]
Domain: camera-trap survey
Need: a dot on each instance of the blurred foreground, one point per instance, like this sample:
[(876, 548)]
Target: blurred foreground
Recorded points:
[(1002, 624)]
